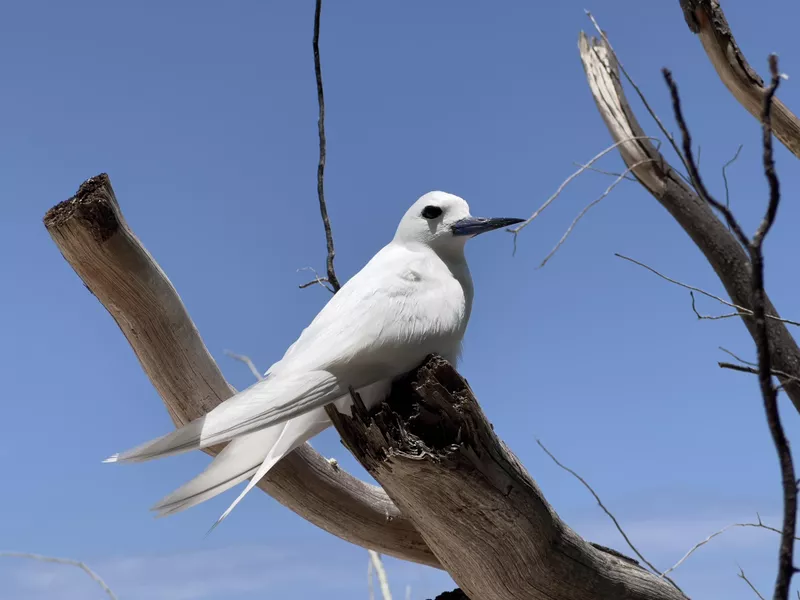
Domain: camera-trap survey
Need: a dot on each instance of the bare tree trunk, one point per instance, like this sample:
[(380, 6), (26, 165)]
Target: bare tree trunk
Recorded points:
[(723, 252), (433, 451)]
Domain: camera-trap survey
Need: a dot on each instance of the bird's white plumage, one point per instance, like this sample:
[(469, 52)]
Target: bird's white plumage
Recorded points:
[(412, 299)]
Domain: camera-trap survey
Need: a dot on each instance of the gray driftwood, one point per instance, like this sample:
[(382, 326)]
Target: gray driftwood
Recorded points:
[(433, 451)]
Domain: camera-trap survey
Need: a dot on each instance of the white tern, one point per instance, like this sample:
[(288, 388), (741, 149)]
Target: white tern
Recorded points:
[(412, 299)]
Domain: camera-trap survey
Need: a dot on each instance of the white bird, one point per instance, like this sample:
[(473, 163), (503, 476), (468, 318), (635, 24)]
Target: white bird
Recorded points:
[(412, 299)]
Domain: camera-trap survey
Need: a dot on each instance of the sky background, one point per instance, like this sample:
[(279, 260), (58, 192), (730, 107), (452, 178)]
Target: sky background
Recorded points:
[(204, 115)]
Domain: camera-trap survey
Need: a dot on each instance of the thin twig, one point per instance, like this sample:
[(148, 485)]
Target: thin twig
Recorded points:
[(638, 91), (741, 309), (755, 371), (370, 578), (246, 360), (735, 367), (318, 280), (769, 393), (698, 545), (601, 171), (786, 566), (538, 211), (383, 580), (697, 181), (323, 207), (747, 581), (741, 360), (64, 561), (725, 176), (589, 206), (608, 512), (713, 317)]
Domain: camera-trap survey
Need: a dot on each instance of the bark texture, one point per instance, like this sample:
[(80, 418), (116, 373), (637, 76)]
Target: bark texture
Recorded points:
[(433, 451)]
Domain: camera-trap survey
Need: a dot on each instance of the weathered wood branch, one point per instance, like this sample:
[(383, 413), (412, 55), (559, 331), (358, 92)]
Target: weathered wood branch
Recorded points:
[(433, 451), (706, 19), (93, 237), (720, 248)]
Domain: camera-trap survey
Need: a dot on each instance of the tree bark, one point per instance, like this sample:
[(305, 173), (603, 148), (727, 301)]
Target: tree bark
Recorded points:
[(723, 252), (433, 451), (94, 238), (706, 19)]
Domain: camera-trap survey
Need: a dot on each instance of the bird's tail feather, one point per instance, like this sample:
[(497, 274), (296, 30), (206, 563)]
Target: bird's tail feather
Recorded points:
[(250, 456), (237, 461), (269, 402)]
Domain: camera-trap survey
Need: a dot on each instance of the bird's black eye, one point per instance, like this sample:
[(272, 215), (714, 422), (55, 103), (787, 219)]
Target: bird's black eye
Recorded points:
[(431, 212)]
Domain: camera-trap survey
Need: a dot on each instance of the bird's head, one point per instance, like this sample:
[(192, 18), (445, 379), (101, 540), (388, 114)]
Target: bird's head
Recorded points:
[(442, 221)]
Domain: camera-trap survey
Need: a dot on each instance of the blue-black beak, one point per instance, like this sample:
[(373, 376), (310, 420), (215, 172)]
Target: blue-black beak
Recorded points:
[(478, 225)]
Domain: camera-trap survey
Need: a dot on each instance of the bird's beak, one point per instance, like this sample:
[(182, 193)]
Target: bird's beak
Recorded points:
[(477, 225)]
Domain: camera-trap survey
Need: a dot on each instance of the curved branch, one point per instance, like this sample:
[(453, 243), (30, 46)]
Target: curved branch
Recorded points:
[(719, 246), (94, 238), (433, 451), (706, 19)]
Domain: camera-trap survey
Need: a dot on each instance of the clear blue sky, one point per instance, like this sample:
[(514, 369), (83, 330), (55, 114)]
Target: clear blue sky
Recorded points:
[(204, 116)]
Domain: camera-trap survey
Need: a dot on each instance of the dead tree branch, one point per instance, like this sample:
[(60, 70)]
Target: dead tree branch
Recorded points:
[(65, 561), (557, 193), (247, 361), (702, 543), (722, 250), (706, 19), (754, 370), (323, 208), (605, 510), (431, 448), (383, 580), (725, 175), (603, 172), (744, 578), (94, 238), (620, 67), (742, 311), (318, 280), (761, 336), (609, 189)]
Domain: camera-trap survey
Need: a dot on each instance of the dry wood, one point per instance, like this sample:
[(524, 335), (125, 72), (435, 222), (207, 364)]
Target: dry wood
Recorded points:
[(93, 237), (723, 252), (706, 19), (432, 449)]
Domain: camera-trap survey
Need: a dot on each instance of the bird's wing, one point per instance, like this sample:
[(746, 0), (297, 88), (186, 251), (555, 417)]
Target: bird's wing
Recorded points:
[(240, 460), (268, 402), (384, 317)]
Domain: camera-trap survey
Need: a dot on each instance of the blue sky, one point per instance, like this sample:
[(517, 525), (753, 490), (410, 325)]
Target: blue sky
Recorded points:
[(204, 115)]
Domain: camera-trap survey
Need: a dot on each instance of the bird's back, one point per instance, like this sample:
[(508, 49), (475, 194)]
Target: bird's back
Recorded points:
[(407, 302)]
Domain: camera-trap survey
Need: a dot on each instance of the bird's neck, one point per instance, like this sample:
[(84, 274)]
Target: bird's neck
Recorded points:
[(456, 262)]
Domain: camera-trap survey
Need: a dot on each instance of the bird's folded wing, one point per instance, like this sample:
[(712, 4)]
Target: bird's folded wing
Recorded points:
[(268, 402), (361, 336)]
